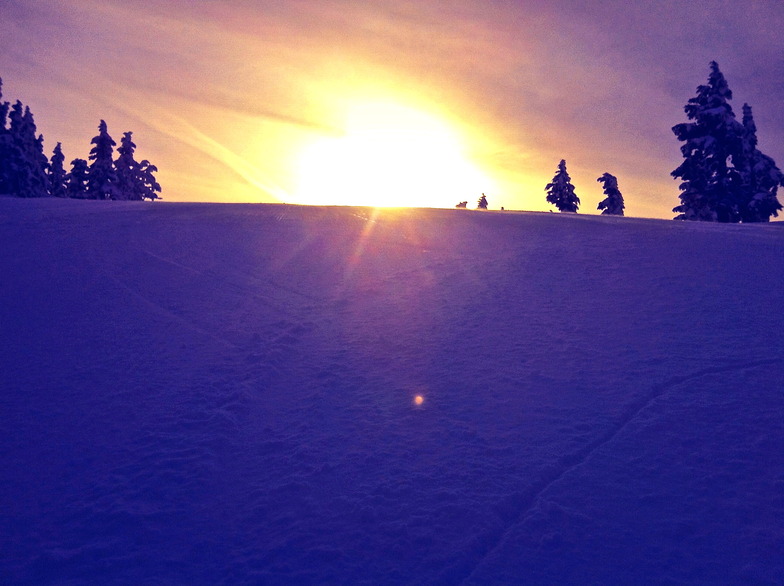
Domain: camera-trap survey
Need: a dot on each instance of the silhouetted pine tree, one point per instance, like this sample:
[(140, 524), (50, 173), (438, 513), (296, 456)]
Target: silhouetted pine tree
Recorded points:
[(40, 163), (482, 203), (76, 181), (612, 204), (23, 164), (26, 164), (725, 176), (760, 177), (560, 192), (57, 173), (5, 144), (127, 170), (148, 185), (102, 179), (710, 186), (17, 176), (3, 108), (135, 181)]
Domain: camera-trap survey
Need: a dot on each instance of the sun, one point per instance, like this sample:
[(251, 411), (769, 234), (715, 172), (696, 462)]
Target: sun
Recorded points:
[(389, 156)]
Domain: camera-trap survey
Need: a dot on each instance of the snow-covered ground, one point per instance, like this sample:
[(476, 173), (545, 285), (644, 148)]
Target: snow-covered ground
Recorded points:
[(208, 394)]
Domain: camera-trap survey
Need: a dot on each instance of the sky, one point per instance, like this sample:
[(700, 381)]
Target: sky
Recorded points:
[(385, 102)]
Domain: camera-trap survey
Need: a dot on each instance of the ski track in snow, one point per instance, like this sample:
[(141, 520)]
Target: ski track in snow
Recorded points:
[(528, 501)]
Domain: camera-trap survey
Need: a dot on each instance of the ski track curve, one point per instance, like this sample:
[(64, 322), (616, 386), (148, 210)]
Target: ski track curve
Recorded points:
[(526, 502), (134, 292)]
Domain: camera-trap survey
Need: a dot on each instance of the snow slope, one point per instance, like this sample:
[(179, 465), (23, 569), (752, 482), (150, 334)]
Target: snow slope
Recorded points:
[(207, 394)]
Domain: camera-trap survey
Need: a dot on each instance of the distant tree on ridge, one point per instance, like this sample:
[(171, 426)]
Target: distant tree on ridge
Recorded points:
[(5, 144), (102, 178), (76, 181), (482, 203), (57, 174), (148, 185), (612, 204), (560, 192), (134, 180), (125, 168), (462, 204)]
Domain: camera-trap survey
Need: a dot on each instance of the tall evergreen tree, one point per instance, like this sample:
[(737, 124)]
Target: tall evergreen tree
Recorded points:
[(710, 186), (4, 106), (612, 204), (26, 164), (39, 162), (135, 181), (759, 176), (482, 203), (127, 170), (560, 192), (76, 181), (15, 179), (102, 179), (5, 144), (57, 173)]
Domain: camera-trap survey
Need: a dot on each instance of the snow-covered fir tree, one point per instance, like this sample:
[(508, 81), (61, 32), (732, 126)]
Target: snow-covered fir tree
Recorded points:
[(76, 181), (3, 109), (560, 192), (710, 184), (127, 170), (759, 176), (25, 165), (482, 203), (612, 204), (135, 181), (5, 144), (40, 163), (102, 179), (57, 174), (17, 173), (148, 185)]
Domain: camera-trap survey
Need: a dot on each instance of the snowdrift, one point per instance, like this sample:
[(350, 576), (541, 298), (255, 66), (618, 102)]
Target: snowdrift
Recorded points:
[(205, 394)]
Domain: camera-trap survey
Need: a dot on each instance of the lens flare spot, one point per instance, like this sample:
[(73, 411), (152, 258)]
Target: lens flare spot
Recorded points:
[(418, 400)]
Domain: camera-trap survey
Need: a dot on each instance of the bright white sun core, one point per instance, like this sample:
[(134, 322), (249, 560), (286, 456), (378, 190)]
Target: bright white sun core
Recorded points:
[(389, 156)]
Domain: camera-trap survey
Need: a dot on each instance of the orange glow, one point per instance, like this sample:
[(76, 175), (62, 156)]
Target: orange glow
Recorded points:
[(389, 156), (418, 400)]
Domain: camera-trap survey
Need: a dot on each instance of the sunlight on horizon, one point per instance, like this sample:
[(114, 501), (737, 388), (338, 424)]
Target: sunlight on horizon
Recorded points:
[(389, 156)]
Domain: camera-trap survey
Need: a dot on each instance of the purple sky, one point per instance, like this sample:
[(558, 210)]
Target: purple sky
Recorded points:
[(224, 95)]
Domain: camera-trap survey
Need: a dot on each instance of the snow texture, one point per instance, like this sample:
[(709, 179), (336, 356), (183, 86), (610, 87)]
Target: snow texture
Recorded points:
[(225, 394)]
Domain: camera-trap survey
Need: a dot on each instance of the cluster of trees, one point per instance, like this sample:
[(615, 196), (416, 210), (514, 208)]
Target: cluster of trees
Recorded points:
[(481, 204), (25, 171), (725, 177), (560, 193)]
